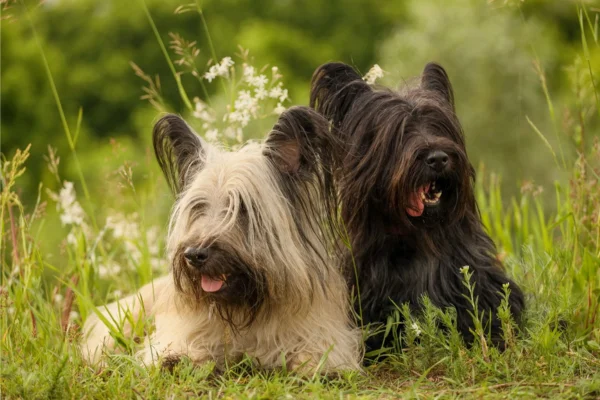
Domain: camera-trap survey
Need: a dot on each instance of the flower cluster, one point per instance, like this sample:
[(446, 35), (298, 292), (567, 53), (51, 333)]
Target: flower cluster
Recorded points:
[(374, 73), (251, 93), (72, 214), (220, 69), (416, 329), (247, 105), (66, 201), (255, 95), (125, 230)]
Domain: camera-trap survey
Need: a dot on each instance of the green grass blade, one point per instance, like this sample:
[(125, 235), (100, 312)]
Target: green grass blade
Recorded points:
[(176, 75), (541, 135)]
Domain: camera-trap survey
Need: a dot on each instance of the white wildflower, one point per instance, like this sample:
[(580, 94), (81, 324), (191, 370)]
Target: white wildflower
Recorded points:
[(102, 271), (279, 109), (67, 194), (255, 89), (71, 238), (233, 116), (230, 132), (117, 294), (123, 227), (244, 96), (284, 95), (275, 72), (248, 71), (261, 93), (258, 81), (245, 108), (133, 251), (73, 315), (224, 66), (58, 298), (115, 269), (11, 310), (245, 118), (108, 269), (212, 135), (73, 215), (220, 69), (152, 236), (416, 328), (276, 92), (210, 75), (201, 111), (374, 73), (66, 201)]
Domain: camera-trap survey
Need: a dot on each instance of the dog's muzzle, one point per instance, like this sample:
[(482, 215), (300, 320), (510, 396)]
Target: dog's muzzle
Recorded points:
[(197, 258)]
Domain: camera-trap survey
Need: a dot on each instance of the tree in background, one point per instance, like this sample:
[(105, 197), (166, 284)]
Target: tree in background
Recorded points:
[(485, 46), (491, 65), (90, 44)]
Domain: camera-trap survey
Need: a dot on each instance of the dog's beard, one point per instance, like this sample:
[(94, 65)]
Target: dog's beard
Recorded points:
[(234, 287)]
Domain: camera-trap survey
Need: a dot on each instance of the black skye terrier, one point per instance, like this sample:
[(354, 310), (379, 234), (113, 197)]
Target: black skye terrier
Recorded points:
[(408, 201)]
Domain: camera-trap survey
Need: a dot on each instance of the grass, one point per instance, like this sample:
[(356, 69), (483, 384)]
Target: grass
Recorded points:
[(556, 257)]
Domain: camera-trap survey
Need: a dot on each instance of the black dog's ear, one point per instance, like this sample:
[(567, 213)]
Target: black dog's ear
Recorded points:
[(299, 140), (178, 150), (436, 79), (334, 88)]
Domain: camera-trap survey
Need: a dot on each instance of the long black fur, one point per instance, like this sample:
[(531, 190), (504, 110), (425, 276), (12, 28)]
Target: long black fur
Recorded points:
[(387, 136)]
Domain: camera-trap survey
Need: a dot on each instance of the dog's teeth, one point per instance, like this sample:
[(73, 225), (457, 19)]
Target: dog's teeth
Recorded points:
[(423, 196), (438, 195)]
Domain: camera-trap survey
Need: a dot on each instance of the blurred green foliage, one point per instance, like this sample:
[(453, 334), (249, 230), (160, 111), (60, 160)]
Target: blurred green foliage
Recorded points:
[(489, 49)]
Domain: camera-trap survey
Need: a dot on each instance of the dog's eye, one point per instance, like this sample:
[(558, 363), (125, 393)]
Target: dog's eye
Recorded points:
[(242, 214), (198, 209), (243, 209)]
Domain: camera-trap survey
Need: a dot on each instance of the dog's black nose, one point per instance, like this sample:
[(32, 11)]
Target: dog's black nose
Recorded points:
[(437, 160), (196, 256)]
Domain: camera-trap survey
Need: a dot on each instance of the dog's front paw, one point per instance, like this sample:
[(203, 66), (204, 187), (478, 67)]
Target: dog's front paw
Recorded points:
[(96, 339), (169, 362), (303, 364)]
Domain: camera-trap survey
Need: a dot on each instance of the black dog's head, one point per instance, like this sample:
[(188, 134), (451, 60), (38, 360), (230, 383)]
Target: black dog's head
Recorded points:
[(406, 164)]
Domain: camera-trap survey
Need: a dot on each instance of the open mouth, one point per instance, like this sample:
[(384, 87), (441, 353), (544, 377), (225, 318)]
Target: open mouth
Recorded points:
[(427, 195), (212, 285)]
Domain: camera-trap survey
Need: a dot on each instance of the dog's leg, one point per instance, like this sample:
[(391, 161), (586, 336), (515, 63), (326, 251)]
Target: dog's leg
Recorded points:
[(97, 336), (324, 341), (332, 351), (182, 332)]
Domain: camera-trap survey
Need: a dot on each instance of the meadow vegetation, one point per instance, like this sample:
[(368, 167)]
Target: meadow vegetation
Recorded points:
[(71, 243)]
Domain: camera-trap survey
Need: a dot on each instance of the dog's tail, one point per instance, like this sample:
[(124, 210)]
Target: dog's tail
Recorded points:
[(334, 88)]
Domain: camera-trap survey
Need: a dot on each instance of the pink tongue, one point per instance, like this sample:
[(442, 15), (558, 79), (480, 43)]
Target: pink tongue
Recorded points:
[(211, 285), (416, 206)]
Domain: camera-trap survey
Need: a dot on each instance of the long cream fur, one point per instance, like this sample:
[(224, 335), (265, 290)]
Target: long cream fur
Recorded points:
[(309, 321)]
